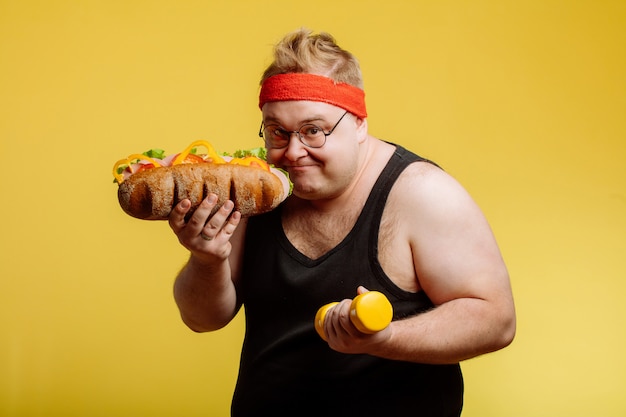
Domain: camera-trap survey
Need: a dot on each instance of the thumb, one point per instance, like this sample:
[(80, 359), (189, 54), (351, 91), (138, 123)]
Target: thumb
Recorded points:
[(361, 290)]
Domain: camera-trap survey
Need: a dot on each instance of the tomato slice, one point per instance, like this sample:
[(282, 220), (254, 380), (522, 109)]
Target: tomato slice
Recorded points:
[(144, 167), (191, 159)]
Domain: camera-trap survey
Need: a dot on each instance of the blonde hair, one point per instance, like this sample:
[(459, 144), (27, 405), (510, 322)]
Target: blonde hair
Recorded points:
[(314, 53)]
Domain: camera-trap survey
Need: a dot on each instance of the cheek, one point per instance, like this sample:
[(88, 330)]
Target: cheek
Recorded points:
[(274, 155)]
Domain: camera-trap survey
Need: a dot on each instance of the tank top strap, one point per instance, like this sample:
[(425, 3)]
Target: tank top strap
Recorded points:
[(375, 204)]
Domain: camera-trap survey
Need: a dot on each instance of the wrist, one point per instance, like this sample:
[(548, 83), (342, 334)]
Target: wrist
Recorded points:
[(204, 268)]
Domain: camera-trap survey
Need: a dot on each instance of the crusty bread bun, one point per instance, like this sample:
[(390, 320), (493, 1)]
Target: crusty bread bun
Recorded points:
[(152, 194)]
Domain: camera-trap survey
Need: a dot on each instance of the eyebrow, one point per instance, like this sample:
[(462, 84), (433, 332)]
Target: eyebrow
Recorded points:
[(316, 118)]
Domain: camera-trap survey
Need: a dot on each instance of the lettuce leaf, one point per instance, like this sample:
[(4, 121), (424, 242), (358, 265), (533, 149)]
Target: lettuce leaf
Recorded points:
[(155, 153), (259, 152)]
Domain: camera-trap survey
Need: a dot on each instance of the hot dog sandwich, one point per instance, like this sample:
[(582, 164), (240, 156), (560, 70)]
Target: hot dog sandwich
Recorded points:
[(152, 184)]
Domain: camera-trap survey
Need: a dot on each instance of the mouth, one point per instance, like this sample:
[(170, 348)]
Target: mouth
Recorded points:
[(297, 169)]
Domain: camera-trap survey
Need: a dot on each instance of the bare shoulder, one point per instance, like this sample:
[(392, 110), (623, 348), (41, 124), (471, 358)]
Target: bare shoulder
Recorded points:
[(412, 208), (423, 186), (451, 242), (431, 203)]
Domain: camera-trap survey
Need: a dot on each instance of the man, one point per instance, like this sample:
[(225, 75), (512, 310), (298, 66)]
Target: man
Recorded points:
[(364, 215)]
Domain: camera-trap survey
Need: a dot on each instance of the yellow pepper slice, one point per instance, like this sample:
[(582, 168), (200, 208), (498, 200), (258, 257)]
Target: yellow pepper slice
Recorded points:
[(215, 157), (119, 176), (250, 161)]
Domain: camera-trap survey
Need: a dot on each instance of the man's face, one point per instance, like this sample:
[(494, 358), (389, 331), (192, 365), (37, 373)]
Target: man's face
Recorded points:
[(317, 173)]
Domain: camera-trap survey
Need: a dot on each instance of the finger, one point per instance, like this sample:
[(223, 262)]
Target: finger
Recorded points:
[(338, 319), (230, 226), (344, 321), (361, 290), (199, 218), (344, 317), (177, 216), (217, 222)]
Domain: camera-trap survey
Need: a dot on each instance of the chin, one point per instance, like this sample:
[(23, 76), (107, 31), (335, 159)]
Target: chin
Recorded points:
[(306, 191), (303, 192)]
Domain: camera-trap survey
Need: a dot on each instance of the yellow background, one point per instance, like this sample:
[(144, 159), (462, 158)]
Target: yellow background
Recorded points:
[(523, 101)]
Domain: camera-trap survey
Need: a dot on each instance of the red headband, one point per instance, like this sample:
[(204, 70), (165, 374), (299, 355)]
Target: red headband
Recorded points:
[(311, 87)]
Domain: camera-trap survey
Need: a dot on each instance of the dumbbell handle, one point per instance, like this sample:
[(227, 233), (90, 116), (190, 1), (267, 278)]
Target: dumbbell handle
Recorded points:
[(370, 312)]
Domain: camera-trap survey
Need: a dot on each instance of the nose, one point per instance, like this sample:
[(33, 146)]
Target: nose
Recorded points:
[(295, 149)]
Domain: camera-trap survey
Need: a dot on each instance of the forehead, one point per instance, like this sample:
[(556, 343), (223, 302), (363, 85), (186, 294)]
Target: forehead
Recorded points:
[(289, 113)]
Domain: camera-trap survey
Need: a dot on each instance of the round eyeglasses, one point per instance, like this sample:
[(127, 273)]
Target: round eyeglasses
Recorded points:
[(310, 135)]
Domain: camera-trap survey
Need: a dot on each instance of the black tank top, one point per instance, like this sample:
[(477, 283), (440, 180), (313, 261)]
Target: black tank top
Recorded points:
[(287, 369)]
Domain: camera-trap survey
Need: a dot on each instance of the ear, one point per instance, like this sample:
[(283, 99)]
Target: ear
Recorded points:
[(361, 129)]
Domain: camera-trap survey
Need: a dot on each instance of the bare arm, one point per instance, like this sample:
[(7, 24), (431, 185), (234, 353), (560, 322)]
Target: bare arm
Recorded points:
[(205, 289), (458, 265)]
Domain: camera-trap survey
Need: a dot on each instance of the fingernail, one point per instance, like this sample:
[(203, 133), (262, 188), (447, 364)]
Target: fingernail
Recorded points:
[(212, 198)]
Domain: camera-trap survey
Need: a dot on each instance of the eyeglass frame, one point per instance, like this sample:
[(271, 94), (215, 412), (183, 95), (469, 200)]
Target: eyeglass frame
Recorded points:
[(297, 132)]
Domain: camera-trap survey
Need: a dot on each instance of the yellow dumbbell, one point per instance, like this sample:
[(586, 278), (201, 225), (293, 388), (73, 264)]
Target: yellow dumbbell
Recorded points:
[(370, 312)]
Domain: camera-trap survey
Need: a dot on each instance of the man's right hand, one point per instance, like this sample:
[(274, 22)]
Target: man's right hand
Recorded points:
[(206, 236)]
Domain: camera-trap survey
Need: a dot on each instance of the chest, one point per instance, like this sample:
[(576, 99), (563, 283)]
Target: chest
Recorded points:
[(315, 235)]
